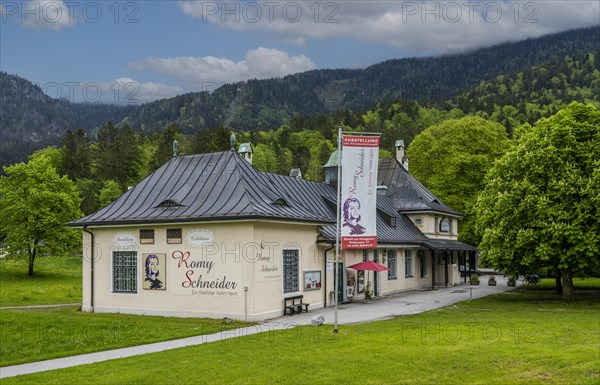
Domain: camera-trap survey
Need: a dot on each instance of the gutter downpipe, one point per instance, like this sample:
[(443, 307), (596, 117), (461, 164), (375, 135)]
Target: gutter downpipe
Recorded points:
[(92, 257), (325, 269)]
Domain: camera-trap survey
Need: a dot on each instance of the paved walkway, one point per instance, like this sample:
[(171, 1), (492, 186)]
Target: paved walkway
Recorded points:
[(359, 312)]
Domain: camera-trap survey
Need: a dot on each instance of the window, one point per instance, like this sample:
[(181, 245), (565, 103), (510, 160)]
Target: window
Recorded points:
[(365, 254), (418, 222), (173, 235), (445, 226), (422, 264), (408, 263), (393, 267), (147, 237), (124, 272), (290, 271)]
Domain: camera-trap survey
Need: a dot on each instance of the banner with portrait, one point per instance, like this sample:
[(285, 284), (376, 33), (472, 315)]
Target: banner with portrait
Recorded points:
[(360, 158)]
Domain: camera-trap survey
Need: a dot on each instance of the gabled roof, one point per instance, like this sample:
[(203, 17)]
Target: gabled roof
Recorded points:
[(407, 193), (212, 186)]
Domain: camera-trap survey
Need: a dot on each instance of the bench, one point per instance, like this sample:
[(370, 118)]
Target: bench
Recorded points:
[(294, 304)]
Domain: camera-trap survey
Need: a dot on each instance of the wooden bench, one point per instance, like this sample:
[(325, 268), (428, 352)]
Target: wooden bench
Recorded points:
[(294, 304)]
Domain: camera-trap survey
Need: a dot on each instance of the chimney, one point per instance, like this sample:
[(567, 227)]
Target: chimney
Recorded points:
[(245, 151), (401, 154)]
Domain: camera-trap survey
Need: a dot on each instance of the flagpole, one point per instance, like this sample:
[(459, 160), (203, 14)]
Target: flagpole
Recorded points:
[(336, 276)]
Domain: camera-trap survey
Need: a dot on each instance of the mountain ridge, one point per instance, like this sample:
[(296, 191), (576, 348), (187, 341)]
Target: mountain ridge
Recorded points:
[(31, 120)]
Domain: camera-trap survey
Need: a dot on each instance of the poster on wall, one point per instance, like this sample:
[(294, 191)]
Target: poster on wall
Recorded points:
[(361, 281), (154, 271), (360, 159), (312, 280)]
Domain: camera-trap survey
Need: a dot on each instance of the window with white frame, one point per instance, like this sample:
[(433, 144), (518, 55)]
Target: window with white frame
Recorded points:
[(392, 264), (408, 263), (124, 272), (291, 282)]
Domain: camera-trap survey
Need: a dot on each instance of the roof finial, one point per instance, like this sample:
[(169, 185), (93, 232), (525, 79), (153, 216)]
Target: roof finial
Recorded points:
[(175, 147), (232, 141)]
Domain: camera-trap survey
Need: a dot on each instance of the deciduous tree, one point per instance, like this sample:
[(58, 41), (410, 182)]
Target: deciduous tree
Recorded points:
[(35, 205), (452, 158), (539, 208)]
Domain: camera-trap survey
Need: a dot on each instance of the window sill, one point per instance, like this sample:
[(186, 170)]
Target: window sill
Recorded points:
[(392, 278), (409, 276)]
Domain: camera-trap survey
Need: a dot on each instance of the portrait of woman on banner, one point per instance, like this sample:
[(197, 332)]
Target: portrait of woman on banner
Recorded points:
[(352, 217)]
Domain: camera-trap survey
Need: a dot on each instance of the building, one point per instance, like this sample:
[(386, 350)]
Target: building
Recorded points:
[(210, 236)]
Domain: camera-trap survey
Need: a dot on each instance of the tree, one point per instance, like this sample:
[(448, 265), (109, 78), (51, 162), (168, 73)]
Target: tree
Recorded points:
[(206, 141), (165, 145), (109, 192), (76, 156), (116, 154), (35, 205), (452, 158), (539, 208)]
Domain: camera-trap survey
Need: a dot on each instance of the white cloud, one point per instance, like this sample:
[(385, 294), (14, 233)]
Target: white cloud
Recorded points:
[(206, 73), (418, 26), (43, 14), (123, 90)]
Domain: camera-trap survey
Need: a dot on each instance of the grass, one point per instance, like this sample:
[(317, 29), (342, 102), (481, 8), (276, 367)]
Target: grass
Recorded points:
[(56, 280), (35, 335), (525, 336)]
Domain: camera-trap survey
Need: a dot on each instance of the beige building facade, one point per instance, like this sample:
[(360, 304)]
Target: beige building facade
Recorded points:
[(210, 236)]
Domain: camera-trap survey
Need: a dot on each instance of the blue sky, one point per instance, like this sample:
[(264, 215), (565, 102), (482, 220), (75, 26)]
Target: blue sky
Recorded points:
[(138, 51)]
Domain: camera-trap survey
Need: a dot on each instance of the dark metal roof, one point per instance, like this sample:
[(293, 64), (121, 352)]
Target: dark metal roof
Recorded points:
[(449, 245), (408, 194), (223, 185), (404, 232), (212, 186)]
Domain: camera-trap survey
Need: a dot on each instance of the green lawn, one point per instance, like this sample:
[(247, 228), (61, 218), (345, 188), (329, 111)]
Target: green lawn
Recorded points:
[(56, 280), (35, 335), (525, 336)]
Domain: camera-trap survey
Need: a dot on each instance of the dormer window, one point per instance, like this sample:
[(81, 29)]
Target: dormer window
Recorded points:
[(168, 203), (280, 201)]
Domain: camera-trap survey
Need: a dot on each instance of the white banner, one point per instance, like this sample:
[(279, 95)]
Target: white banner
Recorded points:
[(360, 158)]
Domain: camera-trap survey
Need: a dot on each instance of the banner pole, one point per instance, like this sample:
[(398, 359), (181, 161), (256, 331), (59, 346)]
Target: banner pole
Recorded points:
[(336, 276)]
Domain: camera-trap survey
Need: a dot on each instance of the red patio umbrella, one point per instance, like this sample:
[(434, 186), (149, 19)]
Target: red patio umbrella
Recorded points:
[(368, 265)]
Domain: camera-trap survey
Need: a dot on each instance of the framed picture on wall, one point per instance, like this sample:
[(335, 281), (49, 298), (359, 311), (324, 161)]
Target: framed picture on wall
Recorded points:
[(154, 271), (312, 280)]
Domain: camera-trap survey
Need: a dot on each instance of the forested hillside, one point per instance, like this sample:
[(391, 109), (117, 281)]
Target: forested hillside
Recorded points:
[(30, 120), (540, 91), (321, 99), (264, 104)]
